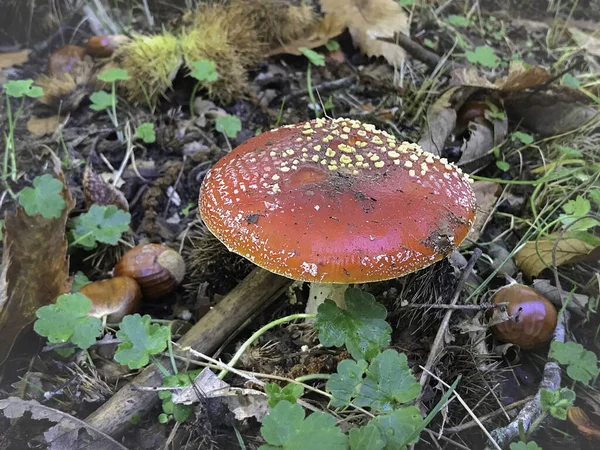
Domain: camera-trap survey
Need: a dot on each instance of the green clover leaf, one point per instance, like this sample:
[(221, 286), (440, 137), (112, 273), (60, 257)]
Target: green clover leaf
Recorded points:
[(399, 426), (386, 383), (228, 124), (531, 445), (146, 133), (525, 138), (315, 58), (67, 321), (141, 339), (100, 224), (204, 70), (366, 438), (43, 198), (101, 100), (285, 427), (180, 412), (582, 364), (361, 327), (291, 393), (114, 74), (483, 55), (22, 88)]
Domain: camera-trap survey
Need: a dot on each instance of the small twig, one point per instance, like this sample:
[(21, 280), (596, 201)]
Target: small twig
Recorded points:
[(415, 50), (324, 87), (438, 342), (49, 348), (472, 423)]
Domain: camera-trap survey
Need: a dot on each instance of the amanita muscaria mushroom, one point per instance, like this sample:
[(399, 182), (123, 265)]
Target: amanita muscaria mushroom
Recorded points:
[(335, 202)]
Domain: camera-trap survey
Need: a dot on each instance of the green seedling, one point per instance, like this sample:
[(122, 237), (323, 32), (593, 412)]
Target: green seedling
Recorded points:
[(556, 403), (531, 445), (103, 224), (102, 100), (314, 57), (228, 125), (80, 279), (458, 21), (178, 412), (146, 133), (275, 394), (19, 89), (141, 341), (484, 56), (204, 71), (524, 138)]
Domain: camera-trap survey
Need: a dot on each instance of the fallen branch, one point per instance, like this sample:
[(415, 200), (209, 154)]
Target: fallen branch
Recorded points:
[(257, 290)]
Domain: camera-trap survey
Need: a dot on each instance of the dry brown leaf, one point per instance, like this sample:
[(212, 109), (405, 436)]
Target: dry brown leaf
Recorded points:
[(519, 77), (43, 125), (329, 27), (8, 60), (369, 21), (486, 193), (34, 268), (97, 191), (534, 256), (580, 419)]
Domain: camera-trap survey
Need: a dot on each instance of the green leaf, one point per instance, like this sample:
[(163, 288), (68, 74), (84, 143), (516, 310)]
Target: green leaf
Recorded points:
[(569, 152), (315, 58), (594, 194), (361, 327), (405, 3), (578, 207), (101, 100), (100, 224), (581, 364), (366, 438), (67, 321), (228, 124), (531, 445), (43, 198), (286, 428), (141, 339), (556, 403), (180, 412), (483, 55), (384, 385), (114, 74), (22, 88), (292, 392), (204, 70), (525, 138), (458, 21), (332, 45), (502, 165), (569, 80), (79, 280), (146, 133), (398, 427)]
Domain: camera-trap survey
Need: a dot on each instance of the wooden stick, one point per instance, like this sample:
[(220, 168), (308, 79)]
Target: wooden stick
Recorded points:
[(257, 290)]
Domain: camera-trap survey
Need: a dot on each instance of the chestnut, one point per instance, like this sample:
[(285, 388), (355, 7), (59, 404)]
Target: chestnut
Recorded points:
[(103, 46), (533, 316), (157, 269), (114, 298), (64, 58)]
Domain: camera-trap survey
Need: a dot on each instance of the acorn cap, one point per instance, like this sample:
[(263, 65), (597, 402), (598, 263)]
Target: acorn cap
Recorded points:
[(337, 201)]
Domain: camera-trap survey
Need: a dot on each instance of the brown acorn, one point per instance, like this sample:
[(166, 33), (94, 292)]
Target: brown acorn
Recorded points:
[(157, 269), (114, 298), (534, 318), (64, 58)]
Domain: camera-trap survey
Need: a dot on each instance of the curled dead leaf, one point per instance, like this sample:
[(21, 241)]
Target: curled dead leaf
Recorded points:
[(43, 125), (34, 268), (486, 193), (536, 256), (97, 191), (11, 59), (580, 419)]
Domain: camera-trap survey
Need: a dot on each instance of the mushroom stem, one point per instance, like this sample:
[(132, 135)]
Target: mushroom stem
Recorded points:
[(319, 292)]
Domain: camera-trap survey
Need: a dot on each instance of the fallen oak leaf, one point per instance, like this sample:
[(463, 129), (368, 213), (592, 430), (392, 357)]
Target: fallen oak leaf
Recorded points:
[(35, 267), (369, 21), (536, 256)]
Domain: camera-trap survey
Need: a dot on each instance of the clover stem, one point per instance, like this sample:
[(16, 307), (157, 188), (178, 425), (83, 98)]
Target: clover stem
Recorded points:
[(319, 292), (259, 333), (80, 238), (159, 366), (170, 347)]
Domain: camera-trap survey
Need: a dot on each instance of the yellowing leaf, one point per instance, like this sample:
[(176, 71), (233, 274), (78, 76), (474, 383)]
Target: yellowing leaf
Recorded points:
[(536, 256), (43, 125), (369, 21), (8, 60)]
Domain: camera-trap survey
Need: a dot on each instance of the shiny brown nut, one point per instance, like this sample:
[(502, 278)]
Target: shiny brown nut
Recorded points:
[(103, 46), (64, 58), (157, 269), (114, 298), (533, 316)]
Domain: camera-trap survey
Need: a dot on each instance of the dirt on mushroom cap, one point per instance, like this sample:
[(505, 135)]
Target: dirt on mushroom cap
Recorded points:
[(337, 201)]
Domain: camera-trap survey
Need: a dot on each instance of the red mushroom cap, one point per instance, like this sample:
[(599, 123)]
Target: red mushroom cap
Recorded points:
[(337, 201)]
